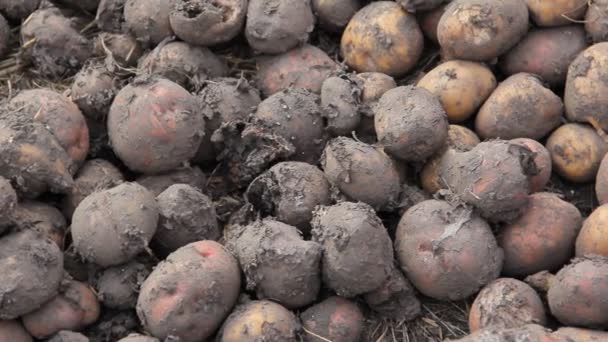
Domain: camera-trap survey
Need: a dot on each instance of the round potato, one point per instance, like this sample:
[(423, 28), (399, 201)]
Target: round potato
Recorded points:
[(542, 159), (556, 12), (148, 20), (93, 90), (592, 238), (596, 21), (261, 320), (601, 182), (336, 319)]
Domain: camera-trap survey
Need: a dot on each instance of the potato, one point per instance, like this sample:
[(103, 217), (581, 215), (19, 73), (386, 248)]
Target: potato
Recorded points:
[(13, 331), (148, 20), (506, 303), (118, 287), (395, 299), (188, 295), (362, 172), (185, 215), (576, 151), (546, 52), (419, 5), (527, 333), (192, 176), (8, 204), (32, 269), (429, 21), (373, 85), (208, 22), (336, 319), (94, 175), (5, 32), (416, 134), (601, 182), (155, 125), (113, 326), (260, 320), (357, 254), (122, 48), (112, 226), (276, 27), (591, 238), (340, 105), (542, 238), (596, 22), (16, 10), (93, 90), (542, 159), (75, 307), (294, 114), (481, 30), (183, 64), (581, 335), (43, 217), (576, 294), (382, 37), (447, 252), (57, 52), (110, 15), (333, 15), (302, 67), (461, 86), (68, 336), (556, 12), (290, 191), (139, 338)]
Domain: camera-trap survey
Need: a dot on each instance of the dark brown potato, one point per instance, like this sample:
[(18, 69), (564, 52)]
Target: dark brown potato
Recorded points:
[(110, 15), (357, 254), (382, 37), (148, 20), (190, 293), (16, 10), (520, 107), (592, 238), (546, 52), (93, 90), (542, 238), (118, 287), (447, 252), (36, 279), (13, 331), (5, 32), (121, 48), (596, 21), (333, 15), (68, 336), (335, 319), (303, 67), (43, 217), (556, 12), (208, 22), (395, 299), (340, 105), (276, 27), (186, 215), (577, 294), (112, 226), (362, 172), (481, 30), (576, 151), (429, 21), (8, 204), (192, 176), (155, 125), (417, 135), (184, 64), (260, 320), (290, 191), (527, 333), (53, 43), (601, 182), (506, 303), (74, 308), (278, 263), (139, 338), (542, 159)]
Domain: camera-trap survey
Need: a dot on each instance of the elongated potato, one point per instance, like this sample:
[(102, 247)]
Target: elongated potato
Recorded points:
[(556, 12), (591, 239)]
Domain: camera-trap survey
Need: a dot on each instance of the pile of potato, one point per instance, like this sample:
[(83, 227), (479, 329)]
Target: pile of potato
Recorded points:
[(171, 195)]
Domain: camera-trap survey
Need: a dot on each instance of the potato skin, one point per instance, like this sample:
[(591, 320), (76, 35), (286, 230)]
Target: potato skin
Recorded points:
[(520, 107), (546, 52), (139, 338), (13, 331), (43, 217), (480, 30), (382, 37), (601, 182), (334, 15), (527, 333), (596, 23), (8, 203), (395, 299), (158, 183), (462, 87), (123, 48), (442, 263), (340, 104), (591, 238), (17, 10), (93, 90), (148, 20), (335, 318), (542, 159), (118, 287), (556, 12), (576, 151), (68, 336), (201, 280), (581, 335)]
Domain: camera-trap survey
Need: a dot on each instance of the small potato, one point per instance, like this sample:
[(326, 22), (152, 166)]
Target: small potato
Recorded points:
[(139, 338), (373, 85), (8, 204), (382, 37), (118, 287), (576, 151), (581, 335), (447, 252), (340, 105), (302, 67), (592, 238), (274, 27), (542, 159), (601, 182), (260, 320), (461, 86), (336, 319), (43, 217), (110, 15), (155, 125), (576, 295), (93, 90), (122, 48), (556, 12), (596, 21), (357, 254), (481, 30), (16, 10), (506, 303), (527, 333), (112, 226), (395, 299), (148, 20), (429, 21), (74, 308), (415, 134), (208, 22), (13, 331), (546, 52), (68, 336), (188, 295), (5, 32), (192, 176), (334, 15), (542, 238)]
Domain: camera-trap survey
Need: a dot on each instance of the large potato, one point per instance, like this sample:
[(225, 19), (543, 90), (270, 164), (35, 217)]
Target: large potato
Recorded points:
[(556, 12)]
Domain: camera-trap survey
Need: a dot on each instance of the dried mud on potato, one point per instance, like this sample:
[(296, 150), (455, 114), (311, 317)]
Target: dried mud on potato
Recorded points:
[(395, 299), (526, 333), (118, 287), (93, 90), (43, 217), (148, 20), (340, 104), (336, 319)]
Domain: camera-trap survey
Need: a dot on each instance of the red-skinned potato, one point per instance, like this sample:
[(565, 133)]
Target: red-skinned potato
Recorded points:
[(13, 331), (556, 12), (429, 20), (16, 10), (542, 159), (336, 319), (382, 37), (148, 20), (591, 239), (333, 15), (601, 182), (596, 21), (122, 48), (260, 320)]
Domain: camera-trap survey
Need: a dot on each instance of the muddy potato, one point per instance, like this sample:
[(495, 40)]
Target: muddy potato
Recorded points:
[(596, 21), (336, 319), (581, 335), (156, 184), (542, 159), (442, 261), (546, 52), (260, 320), (122, 48), (302, 67), (461, 86), (118, 287), (43, 217), (395, 299), (520, 107), (333, 15), (556, 12), (340, 105), (112, 226), (13, 331), (373, 85), (8, 203), (382, 37), (139, 338), (148, 20), (68, 336), (576, 294), (481, 30), (601, 182), (190, 293), (592, 238), (93, 90), (16, 10), (357, 254), (576, 151), (110, 15), (527, 333), (429, 20), (32, 269)]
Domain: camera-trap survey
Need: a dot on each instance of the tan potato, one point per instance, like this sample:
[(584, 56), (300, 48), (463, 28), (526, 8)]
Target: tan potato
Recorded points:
[(581, 335), (542, 159), (596, 20), (592, 238), (556, 12), (601, 182), (260, 321)]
